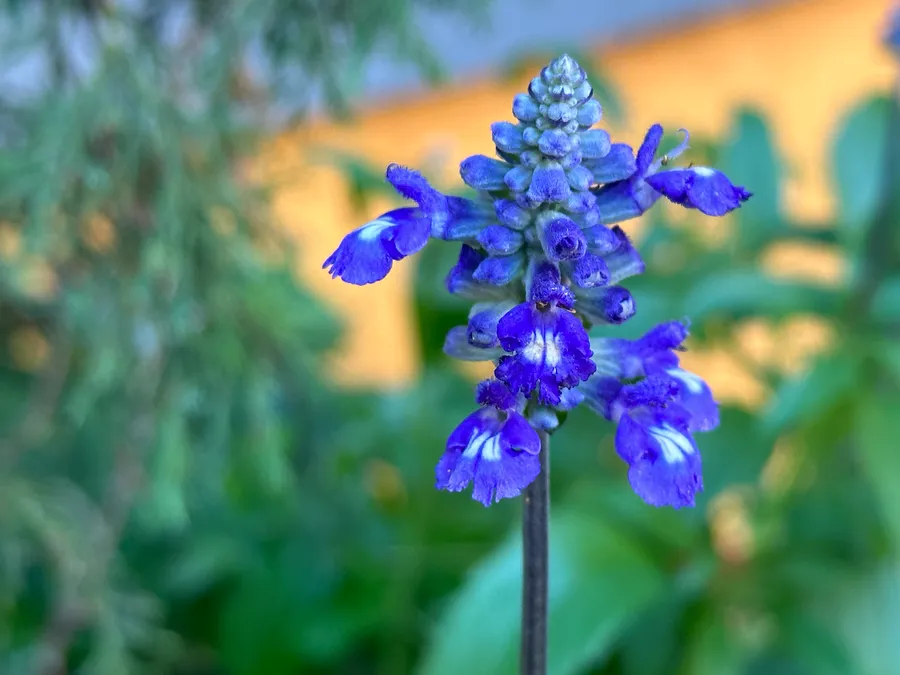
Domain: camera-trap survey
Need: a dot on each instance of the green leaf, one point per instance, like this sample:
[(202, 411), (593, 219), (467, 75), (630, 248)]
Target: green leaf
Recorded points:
[(877, 431), (865, 613), (711, 649), (886, 302), (207, 559), (814, 646), (616, 502), (253, 634), (734, 453), (749, 159), (858, 158), (832, 378), (749, 292), (887, 354), (599, 582)]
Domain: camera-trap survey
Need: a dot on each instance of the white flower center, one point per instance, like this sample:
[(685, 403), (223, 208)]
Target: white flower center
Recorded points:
[(541, 350), (694, 383), (486, 444), (371, 231), (673, 444)]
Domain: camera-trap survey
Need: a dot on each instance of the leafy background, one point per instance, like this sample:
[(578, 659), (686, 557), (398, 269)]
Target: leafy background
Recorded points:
[(183, 491)]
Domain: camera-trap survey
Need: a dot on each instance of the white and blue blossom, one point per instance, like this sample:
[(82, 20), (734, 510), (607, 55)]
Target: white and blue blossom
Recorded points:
[(495, 448), (543, 259)]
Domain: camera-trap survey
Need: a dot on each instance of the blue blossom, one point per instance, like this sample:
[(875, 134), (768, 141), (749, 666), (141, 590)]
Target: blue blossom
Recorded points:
[(494, 448), (477, 340), (543, 260), (367, 254), (892, 35), (549, 347), (657, 406), (461, 279), (654, 439), (707, 190), (699, 187)]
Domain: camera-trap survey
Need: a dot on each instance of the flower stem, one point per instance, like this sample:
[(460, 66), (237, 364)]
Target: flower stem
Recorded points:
[(535, 567)]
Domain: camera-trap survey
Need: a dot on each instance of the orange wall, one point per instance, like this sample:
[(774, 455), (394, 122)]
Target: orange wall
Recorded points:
[(804, 64)]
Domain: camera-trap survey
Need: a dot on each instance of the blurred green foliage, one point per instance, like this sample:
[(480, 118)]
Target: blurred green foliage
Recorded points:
[(183, 492)]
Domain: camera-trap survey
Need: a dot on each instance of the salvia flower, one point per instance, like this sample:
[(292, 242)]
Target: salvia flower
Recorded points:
[(495, 448), (543, 260), (892, 34), (657, 406)]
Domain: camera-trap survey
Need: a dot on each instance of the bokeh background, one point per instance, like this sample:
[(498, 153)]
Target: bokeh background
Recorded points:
[(218, 461)]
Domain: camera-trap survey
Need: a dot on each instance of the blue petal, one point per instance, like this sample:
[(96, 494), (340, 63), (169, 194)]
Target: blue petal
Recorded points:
[(412, 185), (367, 254), (554, 143), (531, 136), (600, 393), (461, 278), (518, 178), (499, 240), (506, 476), (508, 137), (543, 418), (483, 173), (550, 351), (696, 397), (525, 108), (654, 391), (549, 183), (619, 201), (607, 305), (590, 113), (482, 326), (500, 458), (500, 270), (589, 271), (624, 261), (664, 463), (512, 215), (570, 399), (892, 35), (494, 393), (707, 190), (663, 337), (650, 354), (581, 202), (460, 216), (562, 240), (594, 143), (544, 284), (464, 228), (580, 179), (518, 434), (457, 346), (601, 239), (617, 164), (647, 152)]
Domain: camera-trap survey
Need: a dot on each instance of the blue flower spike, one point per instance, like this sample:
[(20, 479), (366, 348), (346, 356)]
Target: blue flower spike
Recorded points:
[(542, 259), (892, 34)]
